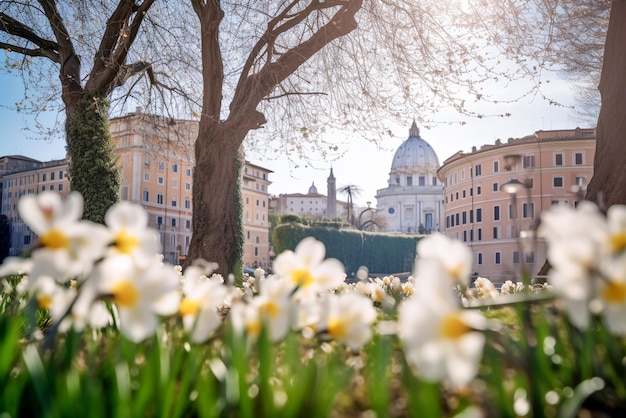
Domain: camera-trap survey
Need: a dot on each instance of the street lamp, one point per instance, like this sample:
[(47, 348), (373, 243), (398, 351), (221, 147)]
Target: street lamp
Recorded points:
[(362, 225)]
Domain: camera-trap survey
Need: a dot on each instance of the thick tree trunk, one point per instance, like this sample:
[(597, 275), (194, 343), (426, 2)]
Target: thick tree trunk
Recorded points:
[(608, 184), (92, 168), (217, 216)]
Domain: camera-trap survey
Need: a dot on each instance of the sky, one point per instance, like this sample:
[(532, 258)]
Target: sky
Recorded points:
[(362, 163)]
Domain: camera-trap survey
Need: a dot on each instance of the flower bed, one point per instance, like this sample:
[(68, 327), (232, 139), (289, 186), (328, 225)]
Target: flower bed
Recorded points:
[(92, 320)]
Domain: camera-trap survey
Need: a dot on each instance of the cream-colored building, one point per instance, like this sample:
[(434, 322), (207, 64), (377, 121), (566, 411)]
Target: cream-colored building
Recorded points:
[(544, 169), (312, 203), (412, 202), (156, 161)]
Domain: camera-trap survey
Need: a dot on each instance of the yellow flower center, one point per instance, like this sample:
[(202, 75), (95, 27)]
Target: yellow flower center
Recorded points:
[(302, 278), (54, 239), (125, 294), (188, 307), (126, 243), (618, 242), (44, 301), (253, 327), (452, 327), (337, 328), (270, 308), (615, 292), (455, 272)]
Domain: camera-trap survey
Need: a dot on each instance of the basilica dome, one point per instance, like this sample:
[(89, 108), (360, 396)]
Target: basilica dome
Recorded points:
[(414, 155)]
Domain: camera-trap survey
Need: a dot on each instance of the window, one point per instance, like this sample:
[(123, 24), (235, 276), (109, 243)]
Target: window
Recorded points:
[(146, 177), (511, 211), (496, 233), (515, 257), (464, 218), (530, 183), (60, 186), (457, 219), (187, 186), (159, 220), (159, 198), (187, 204), (160, 180), (409, 181), (161, 165), (580, 180), (578, 158), (447, 222), (497, 257), (478, 170), (60, 175), (44, 177), (558, 159), (434, 181), (188, 224), (471, 212), (479, 261), (248, 233), (456, 195), (479, 233), (52, 176), (175, 168), (173, 221), (146, 163), (146, 196), (496, 166), (463, 194), (465, 236), (174, 202), (557, 181), (529, 161), (422, 181), (172, 241), (496, 213), (495, 187), (530, 257), (479, 215), (257, 202), (528, 210), (188, 172), (478, 190)]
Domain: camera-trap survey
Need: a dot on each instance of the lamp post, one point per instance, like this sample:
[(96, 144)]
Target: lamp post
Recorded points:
[(363, 225)]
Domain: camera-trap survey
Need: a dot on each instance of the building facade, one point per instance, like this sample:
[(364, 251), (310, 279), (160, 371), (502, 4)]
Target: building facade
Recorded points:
[(312, 203), (156, 161), (254, 192), (412, 202), (494, 195)]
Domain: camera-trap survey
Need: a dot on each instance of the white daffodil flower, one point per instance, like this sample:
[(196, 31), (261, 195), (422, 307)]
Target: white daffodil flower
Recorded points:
[(307, 269), (140, 294), (130, 235), (454, 258), (67, 247), (349, 319), (440, 339), (199, 307), (275, 306)]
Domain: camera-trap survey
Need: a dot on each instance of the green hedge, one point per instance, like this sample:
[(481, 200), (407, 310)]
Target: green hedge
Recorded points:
[(380, 253)]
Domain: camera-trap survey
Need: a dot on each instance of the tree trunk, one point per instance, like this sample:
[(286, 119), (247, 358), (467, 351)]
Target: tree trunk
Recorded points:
[(92, 168), (217, 208), (608, 184)]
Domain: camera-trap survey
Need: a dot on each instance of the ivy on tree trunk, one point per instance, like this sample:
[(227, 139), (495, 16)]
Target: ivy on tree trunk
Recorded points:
[(92, 166)]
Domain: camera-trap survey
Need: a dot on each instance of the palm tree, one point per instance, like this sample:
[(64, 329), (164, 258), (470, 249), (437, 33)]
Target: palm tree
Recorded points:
[(350, 190)]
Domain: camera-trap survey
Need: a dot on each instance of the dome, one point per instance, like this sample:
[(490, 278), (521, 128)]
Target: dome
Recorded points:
[(313, 189), (414, 155)]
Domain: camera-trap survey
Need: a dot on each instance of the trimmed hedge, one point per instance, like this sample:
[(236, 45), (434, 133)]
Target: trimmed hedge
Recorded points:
[(380, 253)]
